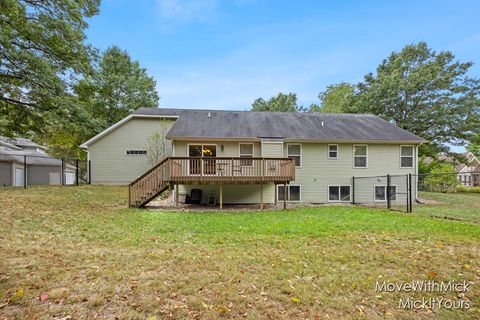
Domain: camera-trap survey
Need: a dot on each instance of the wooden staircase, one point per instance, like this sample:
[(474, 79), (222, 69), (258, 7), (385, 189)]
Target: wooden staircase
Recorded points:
[(149, 185)]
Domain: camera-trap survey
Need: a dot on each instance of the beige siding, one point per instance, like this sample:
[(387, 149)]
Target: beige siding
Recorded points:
[(318, 172), (110, 165), (272, 149), (234, 193)]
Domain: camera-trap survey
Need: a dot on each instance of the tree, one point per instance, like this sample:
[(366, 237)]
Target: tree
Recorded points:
[(474, 145), (118, 87), (279, 103), (158, 147), (336, 98), (426, 93), (41, 53)]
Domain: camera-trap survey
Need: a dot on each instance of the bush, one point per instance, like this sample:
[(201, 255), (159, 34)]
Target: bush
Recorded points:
[(462, 188), (442, 178)]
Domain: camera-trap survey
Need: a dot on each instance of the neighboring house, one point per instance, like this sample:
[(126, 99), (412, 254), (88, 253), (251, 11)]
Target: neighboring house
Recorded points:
[(42, 169), (252, 157), (468, 172)]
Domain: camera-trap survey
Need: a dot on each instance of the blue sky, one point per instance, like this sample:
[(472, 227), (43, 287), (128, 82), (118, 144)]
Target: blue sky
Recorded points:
[(225, 54)]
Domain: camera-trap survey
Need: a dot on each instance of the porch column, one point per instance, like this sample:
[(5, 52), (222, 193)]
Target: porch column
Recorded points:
[(176, 195), (221, 196), (261, 196), (285, 195), (170, 192)]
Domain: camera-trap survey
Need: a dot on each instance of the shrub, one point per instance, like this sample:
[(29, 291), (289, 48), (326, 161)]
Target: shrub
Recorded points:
[(442, 178), (462, 188)]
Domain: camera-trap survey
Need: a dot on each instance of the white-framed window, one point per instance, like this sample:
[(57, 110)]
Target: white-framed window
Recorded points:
[(245, 150), (333, 151), (380, 193), (406, 156), (135, 152), (294, 151), (360, 156), (293, 193), (339, 193)]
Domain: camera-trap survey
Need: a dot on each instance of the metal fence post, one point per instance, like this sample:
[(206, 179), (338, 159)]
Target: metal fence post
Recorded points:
[(410, 192), (388, 192), (24, 172), (76, 172), (62, 175), (353, 190), (89, 171)]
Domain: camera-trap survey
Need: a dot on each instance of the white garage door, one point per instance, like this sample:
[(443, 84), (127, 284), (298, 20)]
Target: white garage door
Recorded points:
[(69, 178), (19, 175)]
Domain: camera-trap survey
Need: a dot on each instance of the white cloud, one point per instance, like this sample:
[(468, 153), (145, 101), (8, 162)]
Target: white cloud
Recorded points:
[(183, 11)]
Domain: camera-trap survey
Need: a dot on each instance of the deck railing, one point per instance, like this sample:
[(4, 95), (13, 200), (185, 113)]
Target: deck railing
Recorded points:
[(231, 169), (208, 170)]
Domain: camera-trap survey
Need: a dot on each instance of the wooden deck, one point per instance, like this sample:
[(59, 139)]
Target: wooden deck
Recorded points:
[(208, 170)]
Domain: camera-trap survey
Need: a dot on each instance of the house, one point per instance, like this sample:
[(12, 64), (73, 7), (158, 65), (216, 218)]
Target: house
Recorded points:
[(468, 171), (241, 157), (41, 168)]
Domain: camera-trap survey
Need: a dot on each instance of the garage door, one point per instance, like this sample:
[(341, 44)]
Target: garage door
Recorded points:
[(69, 178), (54, 178), (19, 175)]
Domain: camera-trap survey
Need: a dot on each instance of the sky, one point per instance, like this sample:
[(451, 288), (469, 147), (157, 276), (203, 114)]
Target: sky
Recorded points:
[(225, 54)]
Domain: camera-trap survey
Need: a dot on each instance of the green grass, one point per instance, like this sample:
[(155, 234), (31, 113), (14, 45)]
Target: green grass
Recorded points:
[(464, 206), (97, 258)]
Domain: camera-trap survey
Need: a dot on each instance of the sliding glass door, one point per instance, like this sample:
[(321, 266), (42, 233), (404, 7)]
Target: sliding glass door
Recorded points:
[(199, 166)]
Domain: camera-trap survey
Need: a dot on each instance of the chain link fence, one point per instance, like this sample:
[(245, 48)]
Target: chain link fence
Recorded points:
[(453, 196), (450, 195), (20, 170)]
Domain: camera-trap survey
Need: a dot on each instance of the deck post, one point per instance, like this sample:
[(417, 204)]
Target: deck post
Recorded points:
[(261, 196), (285, 195), (176, 195), (275, 194), (221, 196)]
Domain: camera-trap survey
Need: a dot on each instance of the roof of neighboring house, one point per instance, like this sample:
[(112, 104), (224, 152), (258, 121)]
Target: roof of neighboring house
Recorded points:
[(20, 142), (15, 150), (33, 157)]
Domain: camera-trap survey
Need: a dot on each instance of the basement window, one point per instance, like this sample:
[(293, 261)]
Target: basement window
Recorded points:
[(381, 193), (339, 193), (293, 193), (135, 152)]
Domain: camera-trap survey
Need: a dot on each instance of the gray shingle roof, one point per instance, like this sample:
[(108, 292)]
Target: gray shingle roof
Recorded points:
[(286, 125)]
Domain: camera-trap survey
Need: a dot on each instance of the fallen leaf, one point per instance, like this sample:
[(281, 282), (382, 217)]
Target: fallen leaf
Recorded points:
[(295, 299), (20, 293), (43, 296)]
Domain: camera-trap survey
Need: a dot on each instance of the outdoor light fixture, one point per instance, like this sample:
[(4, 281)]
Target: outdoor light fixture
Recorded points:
[(222, 147)]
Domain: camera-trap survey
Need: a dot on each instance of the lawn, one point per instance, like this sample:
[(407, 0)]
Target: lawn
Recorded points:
[(464, 206), (95, 258)]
